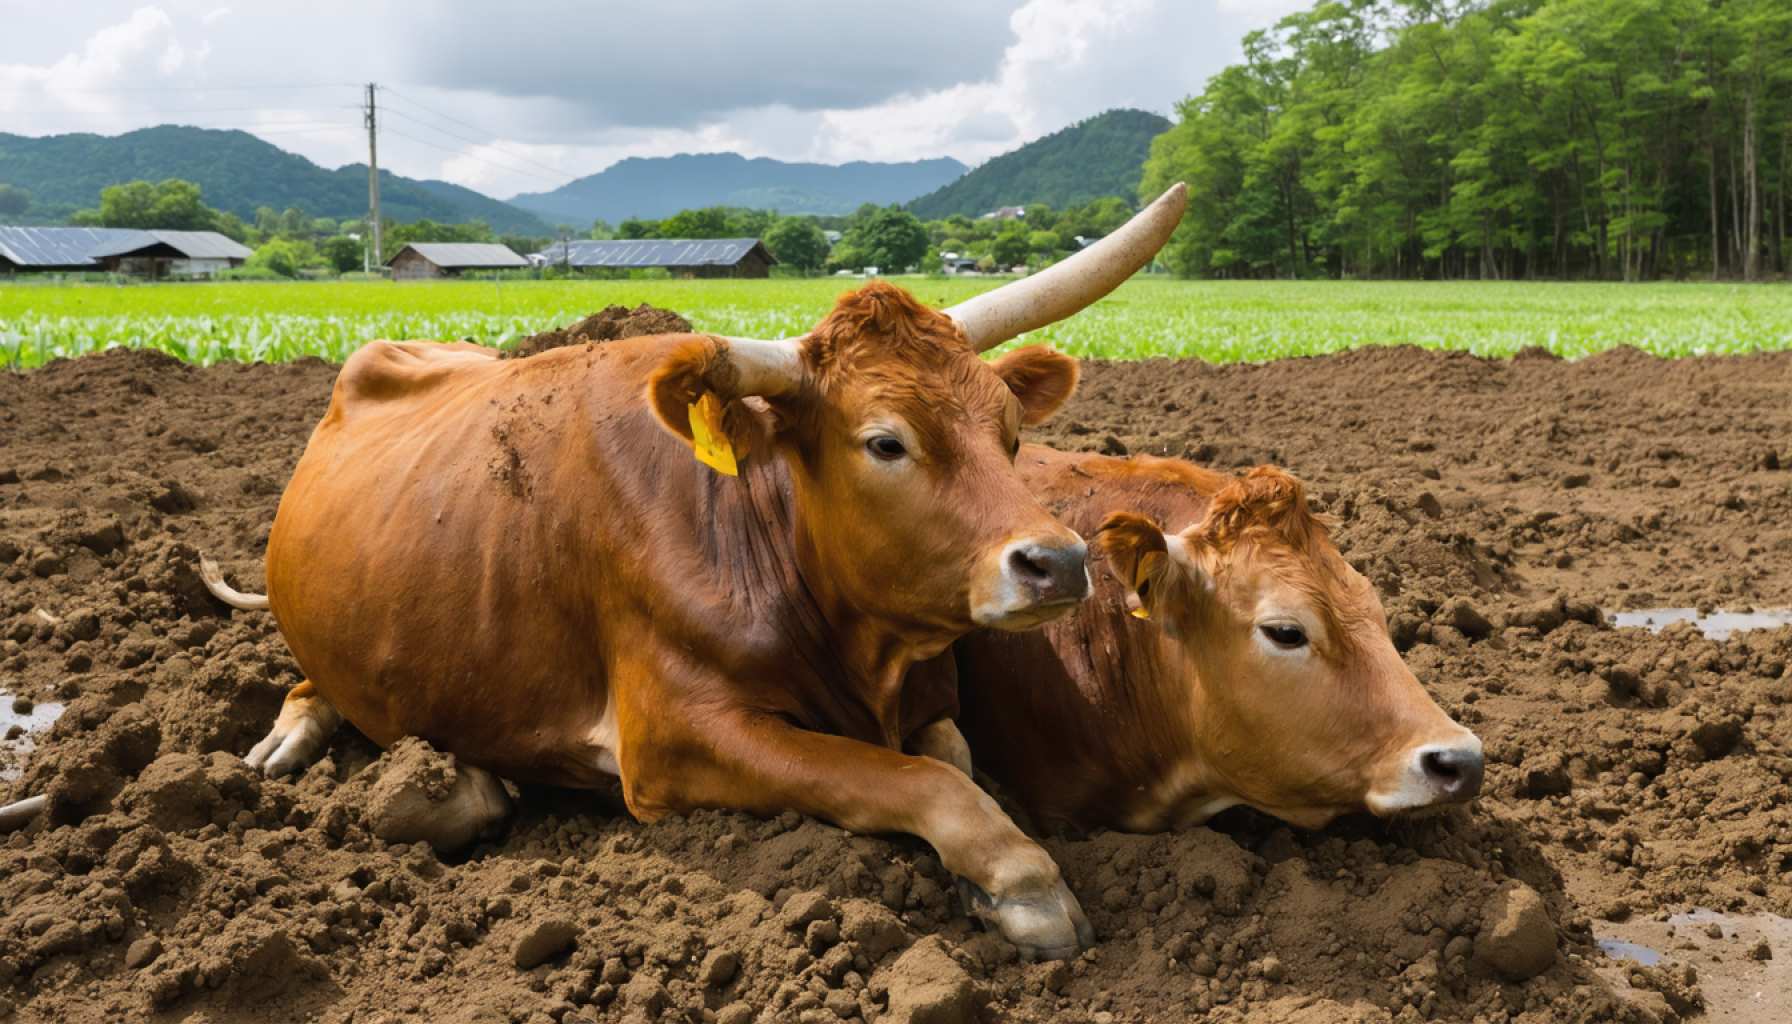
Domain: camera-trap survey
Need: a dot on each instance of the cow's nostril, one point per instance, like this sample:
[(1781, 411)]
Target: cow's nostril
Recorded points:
[(1054, 572), (1438, 766), (1026, 566), (1456, 771)]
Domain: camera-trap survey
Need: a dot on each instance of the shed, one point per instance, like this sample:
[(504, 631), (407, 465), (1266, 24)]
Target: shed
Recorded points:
[(683, 257), (152, 253), (421, 260)]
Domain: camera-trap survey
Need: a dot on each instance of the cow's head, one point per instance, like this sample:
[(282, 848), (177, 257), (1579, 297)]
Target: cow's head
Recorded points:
[(900, 440), (1303, 706)]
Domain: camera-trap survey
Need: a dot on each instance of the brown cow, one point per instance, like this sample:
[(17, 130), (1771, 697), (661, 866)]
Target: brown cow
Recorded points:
[(1262, 674), (520, 561)]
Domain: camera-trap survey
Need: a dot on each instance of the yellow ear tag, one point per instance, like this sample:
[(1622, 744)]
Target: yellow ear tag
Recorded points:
[(1140, 613), (708, 440)]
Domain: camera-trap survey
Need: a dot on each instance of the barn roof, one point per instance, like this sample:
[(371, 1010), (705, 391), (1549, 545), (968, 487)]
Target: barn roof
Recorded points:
[(657, 252), (465, 255), (194, 245), (84, 247)]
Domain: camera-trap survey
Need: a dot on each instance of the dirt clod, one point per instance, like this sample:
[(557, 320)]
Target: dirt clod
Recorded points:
[(542, 941), (926, 986), (1516, 937), (609, 324)]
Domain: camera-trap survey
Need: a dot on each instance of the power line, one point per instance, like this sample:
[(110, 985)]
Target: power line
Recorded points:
[(462, 153), (468, 124)]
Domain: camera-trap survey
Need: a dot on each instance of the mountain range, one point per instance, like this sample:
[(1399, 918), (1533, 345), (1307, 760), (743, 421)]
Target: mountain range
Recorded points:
[(239, 172), (656, 187), (1100, 156)]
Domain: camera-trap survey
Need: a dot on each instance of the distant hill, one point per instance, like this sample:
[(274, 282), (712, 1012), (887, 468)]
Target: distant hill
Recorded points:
[(656, 187), (237, 171), (1101, 156)]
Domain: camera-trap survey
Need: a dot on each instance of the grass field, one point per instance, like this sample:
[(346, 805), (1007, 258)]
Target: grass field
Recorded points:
[(1219, 321)]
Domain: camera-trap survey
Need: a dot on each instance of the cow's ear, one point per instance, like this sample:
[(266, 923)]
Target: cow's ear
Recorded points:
[(1134, 546), (1042, 378), (725, 368)]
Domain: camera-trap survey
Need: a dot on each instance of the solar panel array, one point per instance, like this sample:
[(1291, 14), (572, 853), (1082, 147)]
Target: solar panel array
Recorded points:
[(654, 252), (85, 247)]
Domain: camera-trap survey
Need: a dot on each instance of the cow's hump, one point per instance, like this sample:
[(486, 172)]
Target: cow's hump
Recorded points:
[(385, 371)]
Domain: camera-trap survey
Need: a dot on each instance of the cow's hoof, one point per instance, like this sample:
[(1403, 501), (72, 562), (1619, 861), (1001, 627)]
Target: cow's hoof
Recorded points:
[(1043, 926)]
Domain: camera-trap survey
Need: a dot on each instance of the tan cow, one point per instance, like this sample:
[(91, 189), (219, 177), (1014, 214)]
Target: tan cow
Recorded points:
[(520, 561), (1257, 669)]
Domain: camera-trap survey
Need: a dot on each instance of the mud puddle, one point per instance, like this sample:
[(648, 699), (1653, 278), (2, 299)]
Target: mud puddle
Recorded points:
[(20, 722), (1743, 961), (1717, 625)]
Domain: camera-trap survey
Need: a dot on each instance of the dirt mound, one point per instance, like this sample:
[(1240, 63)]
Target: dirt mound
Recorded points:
[(1498, 505), (608, 324)]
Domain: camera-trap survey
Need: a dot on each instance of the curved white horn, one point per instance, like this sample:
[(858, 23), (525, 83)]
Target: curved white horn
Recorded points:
[(15, 816), (766, 367), (1064, 288)]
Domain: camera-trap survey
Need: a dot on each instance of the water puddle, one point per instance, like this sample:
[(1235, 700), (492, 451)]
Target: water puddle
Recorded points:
[(1744, 961), (1618, 949), (18, 731), (1718, 625)]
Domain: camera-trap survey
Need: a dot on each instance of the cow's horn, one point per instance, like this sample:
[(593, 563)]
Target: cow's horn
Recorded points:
[(1064, 288), (15, 816)]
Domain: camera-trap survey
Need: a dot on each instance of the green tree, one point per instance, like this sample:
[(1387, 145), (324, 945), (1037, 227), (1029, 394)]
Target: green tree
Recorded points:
[(889, 238), (709, 222), (601, 230), (797, 242), (286, 257), (636, 228), (342, 253), (172, 205)]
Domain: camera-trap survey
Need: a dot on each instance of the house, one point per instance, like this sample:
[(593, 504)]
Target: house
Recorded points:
[(957, 263), (420, 261), (152, 253), (1005, 213), (683, 257)]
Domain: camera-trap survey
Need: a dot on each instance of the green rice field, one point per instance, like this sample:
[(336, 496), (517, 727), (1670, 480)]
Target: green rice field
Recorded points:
[(1213, 320)]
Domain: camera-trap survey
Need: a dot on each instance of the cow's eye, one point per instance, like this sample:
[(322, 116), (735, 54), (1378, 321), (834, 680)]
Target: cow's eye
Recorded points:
[(1284, 635), (886, 448)]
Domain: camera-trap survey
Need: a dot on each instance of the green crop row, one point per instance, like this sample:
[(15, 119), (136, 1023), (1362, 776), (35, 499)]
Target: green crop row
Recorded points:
[(1218, 321)]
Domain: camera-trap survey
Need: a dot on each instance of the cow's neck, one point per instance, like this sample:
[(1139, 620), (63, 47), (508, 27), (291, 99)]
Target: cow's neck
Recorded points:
[(852, 664), (1182, 788)]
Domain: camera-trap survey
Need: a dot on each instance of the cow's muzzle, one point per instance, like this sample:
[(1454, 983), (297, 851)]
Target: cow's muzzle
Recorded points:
[(1037, 580), (1448, 772)]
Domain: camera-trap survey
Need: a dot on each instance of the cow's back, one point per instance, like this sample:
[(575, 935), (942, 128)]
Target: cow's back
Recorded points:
[(433, 560), (1067, 715)]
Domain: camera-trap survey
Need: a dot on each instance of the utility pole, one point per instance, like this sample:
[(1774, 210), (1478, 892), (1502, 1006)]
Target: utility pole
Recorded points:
[(377, 253)]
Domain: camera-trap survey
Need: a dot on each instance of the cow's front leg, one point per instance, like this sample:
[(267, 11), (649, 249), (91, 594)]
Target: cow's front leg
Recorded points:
[(762, 764)]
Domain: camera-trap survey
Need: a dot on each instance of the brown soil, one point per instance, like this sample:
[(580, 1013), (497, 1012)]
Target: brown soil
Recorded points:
[(608, 324), (1498, 504)]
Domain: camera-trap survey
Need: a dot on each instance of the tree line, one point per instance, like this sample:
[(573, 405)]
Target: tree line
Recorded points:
[(1493, 139)]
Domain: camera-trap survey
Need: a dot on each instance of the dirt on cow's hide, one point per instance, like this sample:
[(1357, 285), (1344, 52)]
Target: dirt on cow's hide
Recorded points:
[(608, 324), (1499, 506)]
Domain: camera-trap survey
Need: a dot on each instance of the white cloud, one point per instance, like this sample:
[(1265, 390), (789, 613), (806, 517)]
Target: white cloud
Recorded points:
[(564, 88)]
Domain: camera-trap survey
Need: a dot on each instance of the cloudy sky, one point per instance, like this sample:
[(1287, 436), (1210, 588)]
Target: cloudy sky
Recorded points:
[(524, 95)]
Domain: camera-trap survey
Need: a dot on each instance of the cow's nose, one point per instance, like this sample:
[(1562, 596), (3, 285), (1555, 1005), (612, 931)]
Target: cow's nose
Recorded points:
[(1052, 572), (1455, 771)]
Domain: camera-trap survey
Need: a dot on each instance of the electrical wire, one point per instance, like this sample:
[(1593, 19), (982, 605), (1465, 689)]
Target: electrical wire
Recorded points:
[(468, 124)]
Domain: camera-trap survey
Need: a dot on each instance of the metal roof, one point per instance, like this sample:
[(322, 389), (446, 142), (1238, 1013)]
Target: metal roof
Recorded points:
[(656, 252), (194, 245), (460, 255), (84, 247)]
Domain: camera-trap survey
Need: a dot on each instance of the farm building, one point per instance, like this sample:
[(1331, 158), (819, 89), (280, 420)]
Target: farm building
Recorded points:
[(154, 254), (421, 260), (683, 257)]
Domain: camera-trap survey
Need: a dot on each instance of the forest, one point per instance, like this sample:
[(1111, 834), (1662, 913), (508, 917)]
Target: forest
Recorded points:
[(1512, 139)]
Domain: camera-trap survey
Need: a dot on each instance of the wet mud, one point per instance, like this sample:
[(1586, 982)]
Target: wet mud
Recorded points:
[(1502, 507)]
